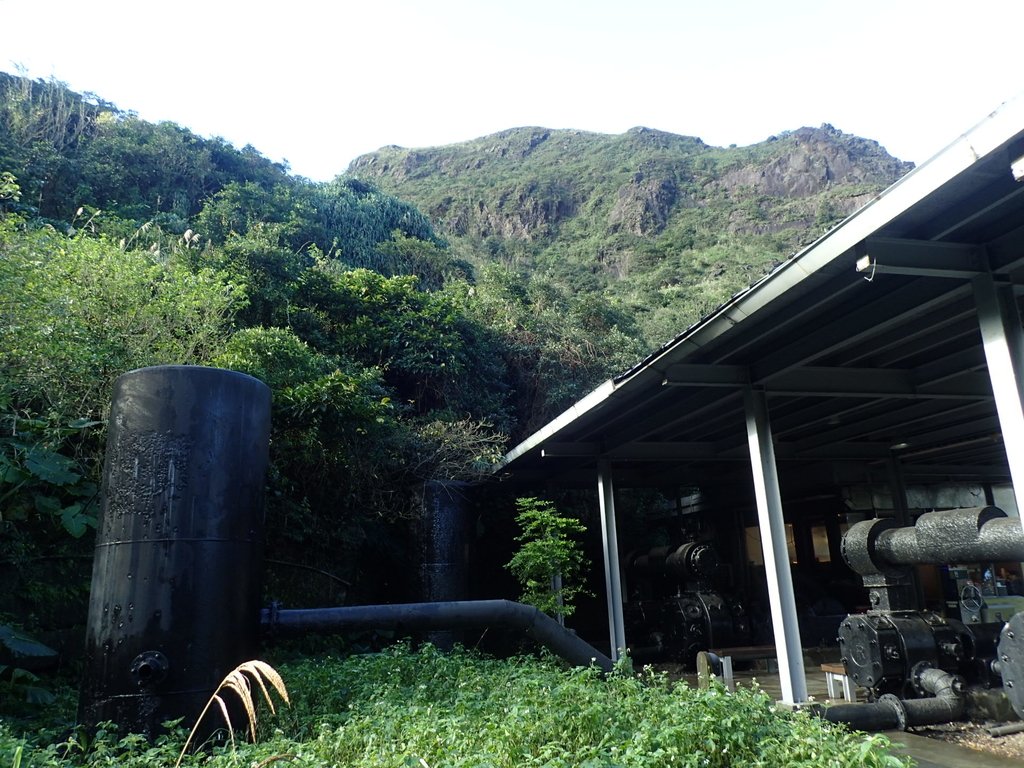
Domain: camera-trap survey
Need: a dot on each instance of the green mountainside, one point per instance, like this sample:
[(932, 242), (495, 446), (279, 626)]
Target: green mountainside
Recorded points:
[(662, 225)]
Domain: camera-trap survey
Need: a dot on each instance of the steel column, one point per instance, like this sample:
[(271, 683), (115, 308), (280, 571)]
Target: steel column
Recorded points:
[(898, 489), (612, 577), (1003, 341), (776, 557)]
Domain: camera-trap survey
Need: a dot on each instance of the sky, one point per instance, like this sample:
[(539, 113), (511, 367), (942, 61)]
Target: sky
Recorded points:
[(317, 83)]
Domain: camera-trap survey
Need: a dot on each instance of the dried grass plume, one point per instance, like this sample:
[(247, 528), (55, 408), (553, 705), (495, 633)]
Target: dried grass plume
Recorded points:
[(239, 680)]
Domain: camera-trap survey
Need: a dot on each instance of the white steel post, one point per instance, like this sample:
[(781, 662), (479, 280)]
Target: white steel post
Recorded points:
[(773, 545), (610, 539), (1003, 341)]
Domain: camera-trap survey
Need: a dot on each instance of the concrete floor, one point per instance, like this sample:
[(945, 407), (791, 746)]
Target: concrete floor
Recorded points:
[(932, 753)]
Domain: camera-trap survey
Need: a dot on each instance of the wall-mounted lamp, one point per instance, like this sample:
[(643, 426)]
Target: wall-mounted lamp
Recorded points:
[(1017, 169)]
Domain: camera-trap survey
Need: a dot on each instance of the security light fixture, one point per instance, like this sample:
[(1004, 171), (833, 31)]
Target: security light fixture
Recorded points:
[(1017, 169)]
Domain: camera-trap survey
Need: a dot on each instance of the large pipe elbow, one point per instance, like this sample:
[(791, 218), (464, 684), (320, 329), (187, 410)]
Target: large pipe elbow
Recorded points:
[(442, 615)]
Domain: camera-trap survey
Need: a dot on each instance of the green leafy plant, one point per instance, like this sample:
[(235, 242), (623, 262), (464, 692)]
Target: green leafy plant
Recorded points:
[(14, 680), (34, 479), (462, 709), (401, 707), (549, 563)]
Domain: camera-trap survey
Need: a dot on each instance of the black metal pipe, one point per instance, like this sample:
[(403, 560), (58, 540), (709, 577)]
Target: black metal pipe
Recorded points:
[(876, 716), (1006, 730), (945, 705), (444, 615), (444, 547)]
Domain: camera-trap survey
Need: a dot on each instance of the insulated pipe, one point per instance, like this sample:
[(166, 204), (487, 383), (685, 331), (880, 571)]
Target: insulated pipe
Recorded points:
[(946, 703), (450, 615), (950, 536)]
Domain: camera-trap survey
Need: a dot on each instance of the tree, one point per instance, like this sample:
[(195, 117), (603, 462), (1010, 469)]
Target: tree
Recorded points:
[(75, 313), (549, 564)]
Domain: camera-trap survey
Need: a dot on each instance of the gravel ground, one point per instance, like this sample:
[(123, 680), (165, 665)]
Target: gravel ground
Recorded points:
[(975, 736)]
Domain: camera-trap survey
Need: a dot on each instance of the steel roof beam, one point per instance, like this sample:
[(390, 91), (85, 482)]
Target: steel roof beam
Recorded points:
[(897, 339), (926, 258), (889, 426), (972, 471), (824, 381), (861, 323)]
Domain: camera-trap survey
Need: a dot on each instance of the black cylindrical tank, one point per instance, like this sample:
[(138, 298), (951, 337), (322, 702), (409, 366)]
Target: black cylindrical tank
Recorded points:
[(444, 533), (175, 592)]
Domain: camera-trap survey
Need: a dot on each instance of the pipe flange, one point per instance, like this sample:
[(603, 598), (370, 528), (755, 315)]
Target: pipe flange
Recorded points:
[(149, 668), (897, 707), (916, 673)]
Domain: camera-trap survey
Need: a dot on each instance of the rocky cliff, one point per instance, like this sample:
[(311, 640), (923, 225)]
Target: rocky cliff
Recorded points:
[(524, 183), (662, 222)]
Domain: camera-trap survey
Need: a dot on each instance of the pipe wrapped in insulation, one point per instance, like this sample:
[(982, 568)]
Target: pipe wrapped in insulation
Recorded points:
[(949, 536), (445, 615)]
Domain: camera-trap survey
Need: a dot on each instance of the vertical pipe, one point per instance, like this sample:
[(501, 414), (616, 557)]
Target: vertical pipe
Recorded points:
[(1003, 341), (898, 488), (612, 577), (445, 543), (175, 593), (776, 556)]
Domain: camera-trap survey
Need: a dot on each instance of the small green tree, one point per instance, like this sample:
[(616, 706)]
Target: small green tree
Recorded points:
[(550, 564)]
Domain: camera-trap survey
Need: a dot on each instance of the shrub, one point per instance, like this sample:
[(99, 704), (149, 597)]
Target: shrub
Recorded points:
[(550, 563)]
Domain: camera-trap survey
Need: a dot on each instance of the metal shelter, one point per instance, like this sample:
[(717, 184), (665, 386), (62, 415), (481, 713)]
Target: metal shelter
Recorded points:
[(892, 343)]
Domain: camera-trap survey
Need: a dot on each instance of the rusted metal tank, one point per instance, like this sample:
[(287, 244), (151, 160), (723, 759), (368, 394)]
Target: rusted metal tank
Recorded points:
[(175, 601)]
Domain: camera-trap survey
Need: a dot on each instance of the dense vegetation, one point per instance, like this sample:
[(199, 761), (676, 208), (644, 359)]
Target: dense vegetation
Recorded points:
[(431, 710), (391, 360)]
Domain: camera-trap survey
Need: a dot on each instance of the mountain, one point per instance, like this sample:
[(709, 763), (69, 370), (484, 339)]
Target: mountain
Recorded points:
[(661, 224)]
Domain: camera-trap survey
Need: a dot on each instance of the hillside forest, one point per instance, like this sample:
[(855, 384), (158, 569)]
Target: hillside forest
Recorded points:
[(414, 317)]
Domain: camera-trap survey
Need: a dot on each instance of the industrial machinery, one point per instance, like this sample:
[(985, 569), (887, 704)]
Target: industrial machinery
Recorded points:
[(677, 607), (918, 665)]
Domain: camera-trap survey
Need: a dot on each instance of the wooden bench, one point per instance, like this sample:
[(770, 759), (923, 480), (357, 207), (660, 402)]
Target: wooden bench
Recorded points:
[(718, 662), (835, 673)]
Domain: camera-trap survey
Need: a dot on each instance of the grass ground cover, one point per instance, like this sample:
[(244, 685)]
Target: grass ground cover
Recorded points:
[(428, 709)]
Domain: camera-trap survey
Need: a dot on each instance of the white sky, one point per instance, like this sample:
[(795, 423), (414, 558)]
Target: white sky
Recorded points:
[(319, 82)]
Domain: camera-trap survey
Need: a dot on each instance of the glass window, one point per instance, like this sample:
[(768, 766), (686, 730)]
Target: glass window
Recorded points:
[(819, 535), (753, 543)]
